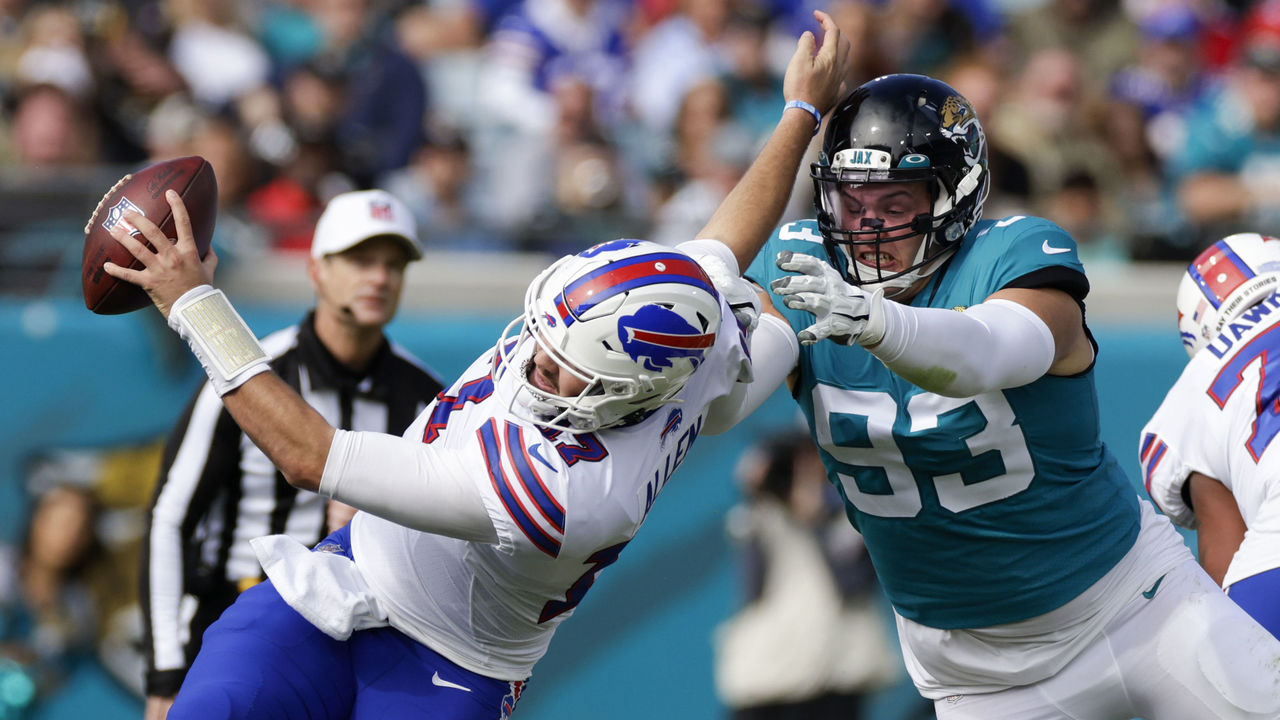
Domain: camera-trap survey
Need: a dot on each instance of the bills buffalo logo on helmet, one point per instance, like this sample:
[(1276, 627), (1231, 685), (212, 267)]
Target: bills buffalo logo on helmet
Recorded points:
[(655, 336)]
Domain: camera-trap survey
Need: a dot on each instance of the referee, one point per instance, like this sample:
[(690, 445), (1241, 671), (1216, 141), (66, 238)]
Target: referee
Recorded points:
[(216, 490)]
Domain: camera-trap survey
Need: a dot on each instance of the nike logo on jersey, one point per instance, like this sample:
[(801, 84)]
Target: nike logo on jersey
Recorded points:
[(1051, 250), (535, 451), (1148, 594), (441, 682)]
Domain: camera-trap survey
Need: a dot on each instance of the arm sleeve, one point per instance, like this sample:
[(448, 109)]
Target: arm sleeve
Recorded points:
[(406, 482), (774, 351), (990, 346)]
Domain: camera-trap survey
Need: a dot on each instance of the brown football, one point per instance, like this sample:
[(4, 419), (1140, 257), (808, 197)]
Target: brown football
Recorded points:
[(143, 191)]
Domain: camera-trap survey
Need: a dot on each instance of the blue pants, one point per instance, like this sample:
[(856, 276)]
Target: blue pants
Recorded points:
[(1259, 595), (262, 659)]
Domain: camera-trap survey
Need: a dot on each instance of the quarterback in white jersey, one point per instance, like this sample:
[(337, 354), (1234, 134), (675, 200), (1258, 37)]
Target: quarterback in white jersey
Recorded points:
[(1207, 454), (563, 504), (501, 504)]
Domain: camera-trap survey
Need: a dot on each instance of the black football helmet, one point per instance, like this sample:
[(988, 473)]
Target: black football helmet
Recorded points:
[(896, 129)]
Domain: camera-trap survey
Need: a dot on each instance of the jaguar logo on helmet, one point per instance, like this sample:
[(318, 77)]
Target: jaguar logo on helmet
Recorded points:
[(959, 121), (654, 337)]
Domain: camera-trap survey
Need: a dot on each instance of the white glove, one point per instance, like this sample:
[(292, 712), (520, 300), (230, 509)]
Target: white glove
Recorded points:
[(843, 313), (740, 293)]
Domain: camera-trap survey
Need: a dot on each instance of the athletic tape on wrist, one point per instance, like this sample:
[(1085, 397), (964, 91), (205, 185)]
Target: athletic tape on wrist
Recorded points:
[(219, 338)]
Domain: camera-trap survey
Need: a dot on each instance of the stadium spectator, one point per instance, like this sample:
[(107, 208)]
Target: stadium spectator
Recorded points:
[(1049, 124), (52, 51), (442, 191), (1227, 172), (681, 50), (505, 568), (47, 608), (1098, 33), (50, 130), (923, 36), (216, 491), (203, 30)]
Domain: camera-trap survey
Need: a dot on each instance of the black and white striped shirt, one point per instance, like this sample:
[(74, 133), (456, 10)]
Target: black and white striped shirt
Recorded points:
[(217, 490)]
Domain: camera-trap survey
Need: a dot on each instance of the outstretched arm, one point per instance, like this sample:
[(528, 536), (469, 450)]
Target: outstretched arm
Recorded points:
[(406, 482), (752, 209), (284, 426)]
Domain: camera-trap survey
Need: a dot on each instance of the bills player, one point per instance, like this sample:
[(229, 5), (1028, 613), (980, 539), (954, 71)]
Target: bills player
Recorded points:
[(1206, 454), (486, 525), (946, 372)]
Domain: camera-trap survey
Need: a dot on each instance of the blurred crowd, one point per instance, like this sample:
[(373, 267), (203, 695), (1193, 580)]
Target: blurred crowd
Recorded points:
[(1144, 127)]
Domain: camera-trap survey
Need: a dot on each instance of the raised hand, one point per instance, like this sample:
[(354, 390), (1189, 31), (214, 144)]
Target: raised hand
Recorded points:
[(173, 267), (816, 76), (844, 313)]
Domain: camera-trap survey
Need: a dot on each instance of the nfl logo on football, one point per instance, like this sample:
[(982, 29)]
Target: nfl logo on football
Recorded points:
[(116, 214)]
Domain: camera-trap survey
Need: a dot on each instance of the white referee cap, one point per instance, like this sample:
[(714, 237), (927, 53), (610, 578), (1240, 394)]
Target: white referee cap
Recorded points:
[(351, 218)]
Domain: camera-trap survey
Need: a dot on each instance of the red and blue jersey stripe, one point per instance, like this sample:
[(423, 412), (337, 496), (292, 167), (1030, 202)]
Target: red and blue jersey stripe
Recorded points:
[(1151, 452), (524, 490)]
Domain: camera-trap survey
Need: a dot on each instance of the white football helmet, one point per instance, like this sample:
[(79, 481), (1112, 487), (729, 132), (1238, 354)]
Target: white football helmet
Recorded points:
[(1226, 279), (632, 319)]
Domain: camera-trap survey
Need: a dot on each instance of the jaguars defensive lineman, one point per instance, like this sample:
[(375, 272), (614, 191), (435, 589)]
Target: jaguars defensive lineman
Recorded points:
[(955, 409)]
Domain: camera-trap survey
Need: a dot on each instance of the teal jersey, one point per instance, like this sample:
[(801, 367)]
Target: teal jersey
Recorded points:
[(976, 511)]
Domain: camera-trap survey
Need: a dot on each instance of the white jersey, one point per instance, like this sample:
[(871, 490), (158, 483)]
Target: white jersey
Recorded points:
[(563, 506), (1220, 419)]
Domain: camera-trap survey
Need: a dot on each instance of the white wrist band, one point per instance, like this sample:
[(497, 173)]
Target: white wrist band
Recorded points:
[(219, 338)]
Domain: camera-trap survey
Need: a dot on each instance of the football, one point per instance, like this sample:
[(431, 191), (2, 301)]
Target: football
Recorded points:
[(143, 192)]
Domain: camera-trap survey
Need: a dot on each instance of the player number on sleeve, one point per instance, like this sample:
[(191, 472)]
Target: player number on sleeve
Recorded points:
[(878, 452)]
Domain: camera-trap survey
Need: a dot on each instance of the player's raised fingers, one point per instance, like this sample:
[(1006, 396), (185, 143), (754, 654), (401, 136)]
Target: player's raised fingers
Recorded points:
[(123, 232), (148, 229), (181, 221), (123, 273)]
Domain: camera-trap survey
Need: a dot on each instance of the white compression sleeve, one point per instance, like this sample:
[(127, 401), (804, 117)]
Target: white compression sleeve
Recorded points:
[(774, 351), (990, 346), (406, 482)]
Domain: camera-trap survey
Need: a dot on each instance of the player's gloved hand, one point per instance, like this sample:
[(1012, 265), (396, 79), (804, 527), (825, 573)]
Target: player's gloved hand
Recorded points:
[(843, 313), (740, 293)]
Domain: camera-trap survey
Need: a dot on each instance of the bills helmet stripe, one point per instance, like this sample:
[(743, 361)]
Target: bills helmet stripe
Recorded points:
[(491, 448), (683, 342), (528, 476), (1218, 271), (605, 282)]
